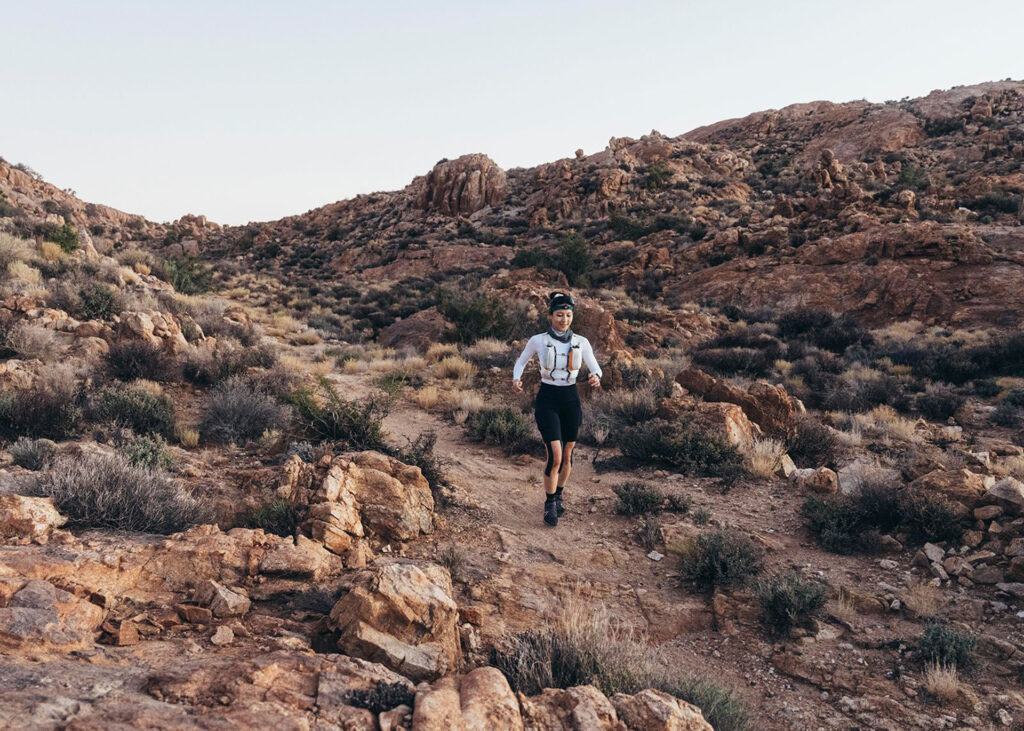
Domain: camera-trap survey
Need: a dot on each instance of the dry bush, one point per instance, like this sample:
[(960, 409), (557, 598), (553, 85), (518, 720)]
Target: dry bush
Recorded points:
[(107, 491), (237, 413), (32, 341), (843, 607), (440, 351), (454, 367), (51, 252), (308, 337), (1012, 466), (763, 457), (942, 681), (22, 272), (13, 249), (427, 397), (462, 400), (884, 422), (49, 408), (187, 436), (490, 352), (132, 359), (923, 600)]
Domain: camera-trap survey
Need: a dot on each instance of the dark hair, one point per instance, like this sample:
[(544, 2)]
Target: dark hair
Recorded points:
[(560, 301)]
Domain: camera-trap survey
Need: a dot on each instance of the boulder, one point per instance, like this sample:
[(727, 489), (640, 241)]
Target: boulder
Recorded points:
[(960, 486), (478, 701), (462, 186), (768, 406), (26, 519), (653, 710), (42, 618), (223, 602), (419, 330), (1009, 493), (581, 708), (727, 422), (821, 481), (303, 559), (402, 616)]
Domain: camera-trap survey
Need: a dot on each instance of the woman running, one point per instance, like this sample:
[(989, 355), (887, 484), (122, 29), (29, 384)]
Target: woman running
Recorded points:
[(560, 352)]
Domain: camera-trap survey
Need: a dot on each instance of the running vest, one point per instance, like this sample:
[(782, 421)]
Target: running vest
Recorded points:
[(548, 357)]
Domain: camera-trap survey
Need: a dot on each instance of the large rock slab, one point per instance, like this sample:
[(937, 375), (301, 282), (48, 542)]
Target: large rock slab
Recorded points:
[(403, 616), (768, 406), (39, 617), (653, 710), (27, 519), (478, 701), (960, 486)]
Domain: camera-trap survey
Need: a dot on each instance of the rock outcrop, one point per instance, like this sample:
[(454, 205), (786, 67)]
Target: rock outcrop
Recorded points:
[(463, 186)]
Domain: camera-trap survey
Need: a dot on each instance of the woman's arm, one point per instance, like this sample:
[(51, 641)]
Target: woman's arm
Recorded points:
[(528, 352), (589, 359)]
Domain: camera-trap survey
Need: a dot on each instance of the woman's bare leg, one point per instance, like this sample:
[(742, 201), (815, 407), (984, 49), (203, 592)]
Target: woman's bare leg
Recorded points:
[(551, 470), (566, 465)]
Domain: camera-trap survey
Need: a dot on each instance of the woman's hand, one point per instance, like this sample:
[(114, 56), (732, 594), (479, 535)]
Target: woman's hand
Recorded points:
[(594, 380), (517, 385)]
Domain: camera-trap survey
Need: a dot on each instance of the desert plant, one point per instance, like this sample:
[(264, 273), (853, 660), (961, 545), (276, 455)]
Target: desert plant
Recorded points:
[(475, 315), (454, 560), (383, 696), (947, 645), (638, 498), (701, 516), (237, 413), (134, 406), (327, 415), (132, 359), (49, 409), (789, 599), (32, 454), (811, 443), (681, 446), (278, 517), (763, 457), (147, 452), (939, 401), (504, 427), (942, 681), (66, 237), (98, 302), (721, 558), (107, 491), (456, 368), (188, 274)]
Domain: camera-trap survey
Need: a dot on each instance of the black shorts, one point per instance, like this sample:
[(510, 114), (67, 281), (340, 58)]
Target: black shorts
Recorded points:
[(558, 413)]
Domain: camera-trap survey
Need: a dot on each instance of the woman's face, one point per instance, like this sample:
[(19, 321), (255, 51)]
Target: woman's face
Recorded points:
[(561, 320)]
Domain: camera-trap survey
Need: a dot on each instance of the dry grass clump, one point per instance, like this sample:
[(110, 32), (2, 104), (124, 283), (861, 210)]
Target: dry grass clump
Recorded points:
[(942, 681), (187, 436), (762, 457), (32, 341), (924, 600), (23, 272), (843, 607), (883, 422), (307, 337), (1012, 466), (440, 351), (462, 400), (13, 249), (455, 368), (427, 398), (588, 646)]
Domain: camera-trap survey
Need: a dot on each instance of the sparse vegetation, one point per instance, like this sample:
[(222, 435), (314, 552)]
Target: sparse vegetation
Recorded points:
[(353, 424), (132, 359), (721, 558), (789, 599), (278, 517), (638, 498), (143, 409), (236, 413), (503, 427), (381, 697), (948, 645), (32, 454), (687, 448), (107, 491)]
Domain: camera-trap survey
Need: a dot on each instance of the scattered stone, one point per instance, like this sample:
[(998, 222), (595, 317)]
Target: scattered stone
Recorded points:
[(655, 556), (223, 602), (194, 614), (888, 564), (1014, 589), (1009, 493), (986, 575), (933, 552), (223, 636), (988, 512)]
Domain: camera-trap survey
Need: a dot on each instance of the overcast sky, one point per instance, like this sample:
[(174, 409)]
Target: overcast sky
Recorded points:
[(249, 111)]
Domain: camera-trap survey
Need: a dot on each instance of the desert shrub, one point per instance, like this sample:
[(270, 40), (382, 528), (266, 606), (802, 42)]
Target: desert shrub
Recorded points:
[(188, 275), (810, 443), (721, 558), (66, 237), (134, 407), (237, 413), (454, 560), (475, 315), (504, 427), (278, 517), (129, 360), (823, 329), (31, 341), (48, 409), (147, 452), (733, 361), (679, 503), (326, 415), (99, 302), (420, 453), (13, 249), (701, 516), (836, 522), (381, 697), (1006, 414), (207, 367), (573, 259), (948, 645), (939, 401), (763, 457), (589, 648), (789, 599), (107, 491), (928, 517), (860, 395), (638, 498), (32, 454), (681, 446)]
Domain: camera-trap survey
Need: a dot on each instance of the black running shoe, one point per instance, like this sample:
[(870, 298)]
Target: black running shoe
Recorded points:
[(558, 507), (550, 513)]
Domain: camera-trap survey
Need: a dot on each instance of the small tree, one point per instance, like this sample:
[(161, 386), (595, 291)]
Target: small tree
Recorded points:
[(574, 259)]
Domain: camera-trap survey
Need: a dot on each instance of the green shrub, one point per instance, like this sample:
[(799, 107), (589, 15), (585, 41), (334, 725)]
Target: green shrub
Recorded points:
[(945, 644), (810, 443), (574, 259), (134, 407), (789, 599), (99, 302), (1008, 415), (235, 413), (684, 447), (721, 558), (939, 402), (504, 427), (107, 491), (928, 517), (147, 452), (837, 523), (188, 275), (354, 424), (278, 517), (637, 498), (32, 454), (66, 237), (475, 315), (129, 360)]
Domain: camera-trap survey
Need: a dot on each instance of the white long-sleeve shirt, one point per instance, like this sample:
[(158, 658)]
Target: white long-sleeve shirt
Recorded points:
[(536, 346)]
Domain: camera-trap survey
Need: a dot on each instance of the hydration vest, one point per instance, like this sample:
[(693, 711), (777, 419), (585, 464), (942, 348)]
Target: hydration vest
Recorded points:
[(548, 357)]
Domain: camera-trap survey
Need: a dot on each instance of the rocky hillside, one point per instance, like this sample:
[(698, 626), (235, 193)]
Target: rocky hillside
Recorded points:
[(275, 475)]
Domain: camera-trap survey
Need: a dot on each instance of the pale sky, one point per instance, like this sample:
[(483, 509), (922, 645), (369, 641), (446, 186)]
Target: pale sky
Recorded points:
[(250, 111)]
